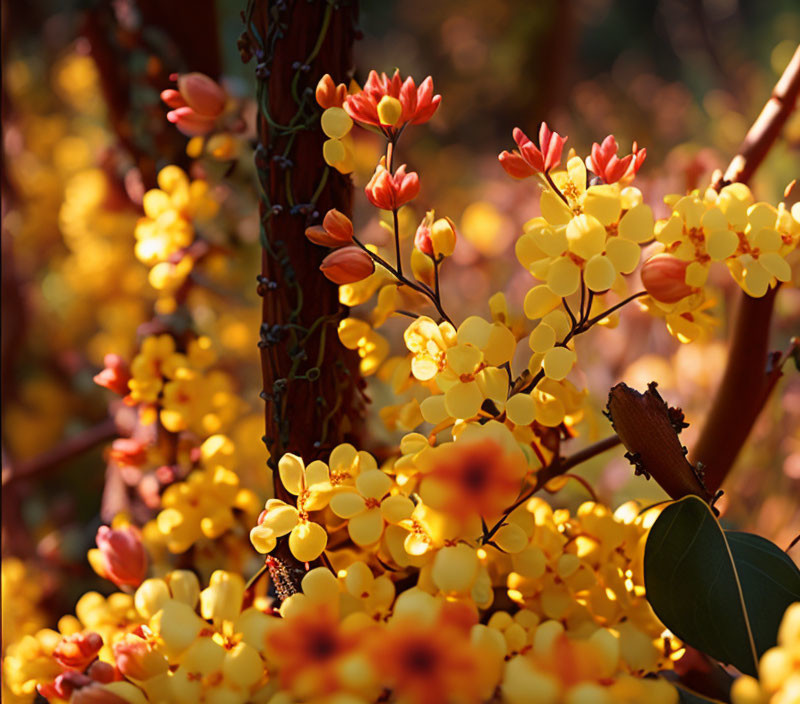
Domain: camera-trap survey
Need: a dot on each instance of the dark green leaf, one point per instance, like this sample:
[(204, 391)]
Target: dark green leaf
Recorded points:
[(725, 599)]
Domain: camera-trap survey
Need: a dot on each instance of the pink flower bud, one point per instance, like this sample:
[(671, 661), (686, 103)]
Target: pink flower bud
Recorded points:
[(664, 278), (103, 672), (75, 652), (135, 659), (201, 93), (347, 265), (173, 98), (189, 122), (115, 376), (122, 556)]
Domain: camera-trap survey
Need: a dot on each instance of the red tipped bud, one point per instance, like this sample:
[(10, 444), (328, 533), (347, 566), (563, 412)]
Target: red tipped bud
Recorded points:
[(201, 93), (664, 278), (115, 376), (347, 265), (173, 98), (75, 652), (120, 556), (422, 238), (328, 94)]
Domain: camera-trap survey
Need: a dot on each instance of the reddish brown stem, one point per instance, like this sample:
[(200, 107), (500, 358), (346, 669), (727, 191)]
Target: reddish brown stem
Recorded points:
[(71, 448), (746, 381)]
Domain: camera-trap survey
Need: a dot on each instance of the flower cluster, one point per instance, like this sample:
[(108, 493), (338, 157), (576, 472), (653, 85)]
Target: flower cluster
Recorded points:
[(166, 233), (779, 669)]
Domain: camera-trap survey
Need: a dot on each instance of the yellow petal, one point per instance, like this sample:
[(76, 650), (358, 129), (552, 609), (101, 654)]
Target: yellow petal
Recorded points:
[(464, 359), (696, 274), (721, 244), (307, 541), (558, 362), (367, 527), (463, 400), (521, 409), (599, 273), (292, 470), (637, 224), (563, 277), (433, 409), (624, 254), (542, 338), (554, 210), (396, 508), (373, 484), (539, 301), (347, 504), (586, 236), (603, 202)]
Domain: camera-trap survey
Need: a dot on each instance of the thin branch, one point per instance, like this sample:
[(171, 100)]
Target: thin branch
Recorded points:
[(72, 447), (557, 467)]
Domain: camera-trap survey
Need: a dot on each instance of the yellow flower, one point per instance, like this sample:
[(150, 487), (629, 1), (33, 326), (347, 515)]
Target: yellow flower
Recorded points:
[(370, 505), (372, 347)]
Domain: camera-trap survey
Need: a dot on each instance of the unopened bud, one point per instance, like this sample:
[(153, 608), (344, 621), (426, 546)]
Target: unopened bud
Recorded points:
[(328, 94), (120, 556), (222, 599), (422, 238), (664, 278), (347, 265), (443, 236), (202, 94), (75, 652), (389, 110), (338, 226)]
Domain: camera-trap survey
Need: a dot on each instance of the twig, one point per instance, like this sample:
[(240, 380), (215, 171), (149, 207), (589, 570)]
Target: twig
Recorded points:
[(557, 467), (71, 448), (745, 386)]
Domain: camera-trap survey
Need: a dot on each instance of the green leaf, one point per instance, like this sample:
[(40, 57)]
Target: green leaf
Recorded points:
[(722, 593)]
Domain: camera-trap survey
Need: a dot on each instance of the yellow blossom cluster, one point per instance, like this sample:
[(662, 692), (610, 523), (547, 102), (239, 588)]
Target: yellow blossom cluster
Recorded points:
[(208, 502), (188, 395), (778, 670), (165, 233)]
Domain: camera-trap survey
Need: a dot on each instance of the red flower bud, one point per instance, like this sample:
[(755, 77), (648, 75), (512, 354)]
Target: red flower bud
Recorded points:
[(664, 278), (388, 191), (123, 559), (347, 265), (422, 238), (75, 652), (115, 376), (203, 94), (64, 685)]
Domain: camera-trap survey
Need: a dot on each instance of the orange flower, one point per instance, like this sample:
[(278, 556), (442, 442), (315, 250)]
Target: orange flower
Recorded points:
[(605, 163), (75, 652), (417, 104), (430, 663), (529, 159), (308, 649), (328, 94), (388, 191), (469, 478), (347, 265)]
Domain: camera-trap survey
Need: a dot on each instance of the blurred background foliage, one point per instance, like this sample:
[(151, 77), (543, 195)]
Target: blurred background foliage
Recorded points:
[(683, 78)]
